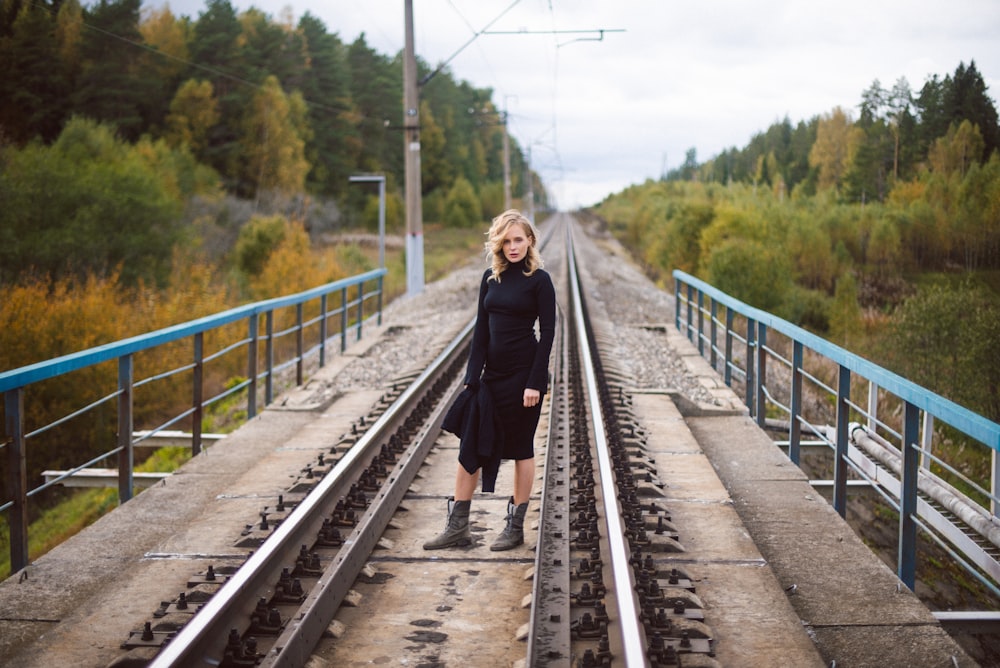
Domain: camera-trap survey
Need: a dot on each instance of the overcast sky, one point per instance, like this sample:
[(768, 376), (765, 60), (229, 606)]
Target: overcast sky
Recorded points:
[(600, 114)]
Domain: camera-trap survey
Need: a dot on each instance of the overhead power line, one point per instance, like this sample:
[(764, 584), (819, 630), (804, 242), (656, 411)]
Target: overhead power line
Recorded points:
[(470, 41)]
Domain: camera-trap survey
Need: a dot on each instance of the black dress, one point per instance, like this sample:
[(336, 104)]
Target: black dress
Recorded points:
[(504, 343)]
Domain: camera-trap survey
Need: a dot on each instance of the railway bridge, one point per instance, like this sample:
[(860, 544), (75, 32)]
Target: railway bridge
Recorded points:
[(669, 526)]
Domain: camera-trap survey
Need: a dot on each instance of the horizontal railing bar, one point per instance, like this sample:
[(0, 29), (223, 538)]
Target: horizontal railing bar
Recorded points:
[(231, 347), (976, 426), (69, 472), (174, 420), (74, 414), (162, 375), (55, 367)]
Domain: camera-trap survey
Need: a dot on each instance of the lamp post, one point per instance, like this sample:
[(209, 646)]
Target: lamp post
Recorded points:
[(365, 178)]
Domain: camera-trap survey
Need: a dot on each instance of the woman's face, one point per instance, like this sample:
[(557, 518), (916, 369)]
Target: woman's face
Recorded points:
[(516, 243)]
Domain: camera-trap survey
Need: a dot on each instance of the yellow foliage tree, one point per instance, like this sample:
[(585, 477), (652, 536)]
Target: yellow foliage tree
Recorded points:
[(956, 151), (836, 141), (193, 112), (273, 144), (162, 31), (69, 24), (293, 267)]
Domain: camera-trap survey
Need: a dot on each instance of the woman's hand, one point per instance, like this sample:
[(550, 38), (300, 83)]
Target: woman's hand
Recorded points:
[(531, 397)]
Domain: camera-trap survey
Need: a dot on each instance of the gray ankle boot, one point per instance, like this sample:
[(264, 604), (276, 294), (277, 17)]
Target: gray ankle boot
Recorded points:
[(456, 533), (513, 534)]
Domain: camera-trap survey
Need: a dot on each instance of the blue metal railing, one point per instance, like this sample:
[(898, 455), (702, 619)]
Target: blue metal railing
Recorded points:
[(349, 310), (749, 360)]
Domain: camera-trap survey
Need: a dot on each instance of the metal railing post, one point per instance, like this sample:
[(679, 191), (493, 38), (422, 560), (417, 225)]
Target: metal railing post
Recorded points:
[(909, 470), (840, 451), (17, 478), (269, 358), (795, 427), (750, 390), (198, 388), (361, 306), (701, 323), (125, 422), (677, 303), (343, 320), (690, 319), (322, 331), (299, 345), (713, 329), (760, 398), (252, 367), (728, 373), (380, 301)]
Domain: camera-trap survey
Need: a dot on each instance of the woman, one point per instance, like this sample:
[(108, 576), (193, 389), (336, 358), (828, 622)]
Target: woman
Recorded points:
[(515, 292)]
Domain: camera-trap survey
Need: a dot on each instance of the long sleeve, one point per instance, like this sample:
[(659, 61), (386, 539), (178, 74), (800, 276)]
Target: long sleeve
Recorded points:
[(480, 337), (546, 299)]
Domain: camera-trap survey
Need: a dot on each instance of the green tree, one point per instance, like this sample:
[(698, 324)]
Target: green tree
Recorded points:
[(809, 246), (845, 312), (376, 89), (978, 215), (35, 85), (678, 247), (750, 271), (435, 170), (269, 48), (925, 345), (163, 65), (86, 205), (884, 251), (968, 100), (461, 207), (957, 150), (257, 240), (215, 48), (111, 87), (335, 147)]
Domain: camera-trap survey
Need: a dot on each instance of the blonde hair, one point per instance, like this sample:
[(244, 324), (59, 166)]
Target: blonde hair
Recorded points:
[(494, 243)]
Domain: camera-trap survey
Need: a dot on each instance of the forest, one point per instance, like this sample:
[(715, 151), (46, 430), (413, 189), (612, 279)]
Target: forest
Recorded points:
[(174, 131), (880, 232)]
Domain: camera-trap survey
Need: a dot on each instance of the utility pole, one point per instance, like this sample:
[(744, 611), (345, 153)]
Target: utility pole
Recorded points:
[(531, 187), (411, 151), (506, 159)]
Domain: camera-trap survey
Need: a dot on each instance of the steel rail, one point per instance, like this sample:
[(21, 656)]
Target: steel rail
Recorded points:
[(549, 623), (202, 641), (632, 635)]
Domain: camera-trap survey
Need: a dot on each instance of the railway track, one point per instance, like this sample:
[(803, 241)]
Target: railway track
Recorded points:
[(599, 594), (307, 549), (298, 539)]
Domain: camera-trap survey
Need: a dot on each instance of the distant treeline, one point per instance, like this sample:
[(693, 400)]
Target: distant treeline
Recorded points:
[(882, 234), (242, 103), (892, 139)]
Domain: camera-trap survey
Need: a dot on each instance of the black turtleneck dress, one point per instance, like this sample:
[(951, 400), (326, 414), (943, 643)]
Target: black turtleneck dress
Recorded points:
[(508, 356)]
